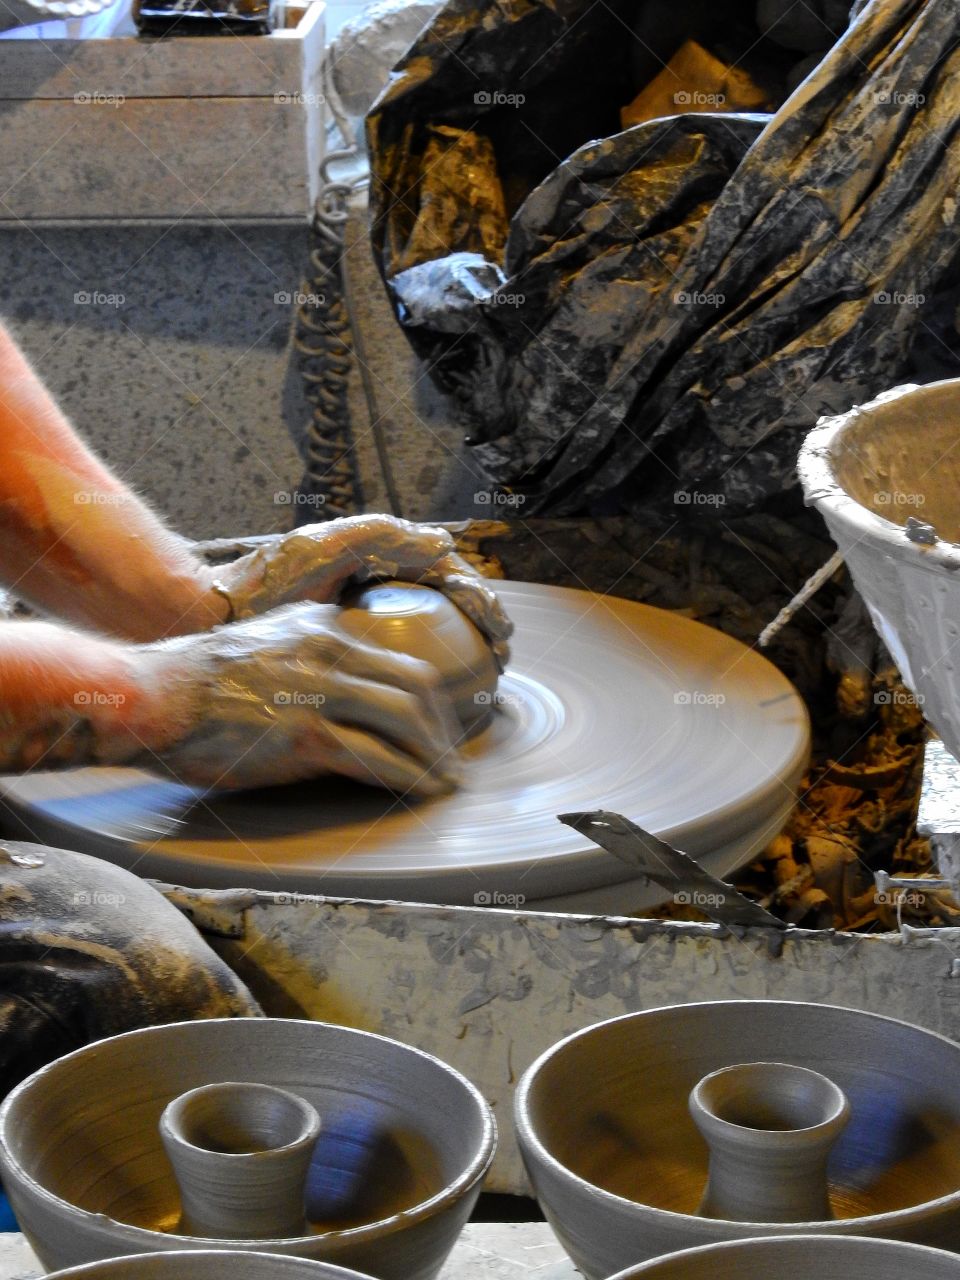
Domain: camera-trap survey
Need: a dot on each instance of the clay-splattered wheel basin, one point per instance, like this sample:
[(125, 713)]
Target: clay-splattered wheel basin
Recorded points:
[(868, 472), (802, 1258), (404, 1145), (224, 1264), (619, 1167)]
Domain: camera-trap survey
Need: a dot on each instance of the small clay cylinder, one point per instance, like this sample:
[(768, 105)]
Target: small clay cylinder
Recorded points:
[(770, 1128), (240, 1154)]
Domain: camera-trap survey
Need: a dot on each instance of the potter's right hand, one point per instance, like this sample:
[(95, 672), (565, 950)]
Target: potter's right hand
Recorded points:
[(286, 696)]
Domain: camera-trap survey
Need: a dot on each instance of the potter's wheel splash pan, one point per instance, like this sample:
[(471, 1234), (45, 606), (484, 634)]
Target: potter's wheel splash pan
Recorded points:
[(607, 704)]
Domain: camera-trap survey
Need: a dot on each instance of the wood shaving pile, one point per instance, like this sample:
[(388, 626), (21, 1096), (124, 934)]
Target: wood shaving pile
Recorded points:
[(858, 806)]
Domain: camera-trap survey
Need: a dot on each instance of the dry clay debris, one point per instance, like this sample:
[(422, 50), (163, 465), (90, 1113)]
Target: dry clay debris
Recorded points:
[(858, 804)]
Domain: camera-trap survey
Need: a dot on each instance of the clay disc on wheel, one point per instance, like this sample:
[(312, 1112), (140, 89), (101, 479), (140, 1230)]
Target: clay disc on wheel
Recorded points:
[(607, 704)]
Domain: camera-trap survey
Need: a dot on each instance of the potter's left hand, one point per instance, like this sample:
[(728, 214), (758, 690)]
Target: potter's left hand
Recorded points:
[(318, 562)]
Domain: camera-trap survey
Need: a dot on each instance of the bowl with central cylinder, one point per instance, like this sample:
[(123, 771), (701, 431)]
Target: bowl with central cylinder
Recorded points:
[(97, 1150), (208, 1265), (802, 1258), (702, 1123)]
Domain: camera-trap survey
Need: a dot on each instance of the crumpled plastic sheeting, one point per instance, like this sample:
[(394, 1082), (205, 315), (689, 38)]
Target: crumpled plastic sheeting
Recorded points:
[(674, 306)]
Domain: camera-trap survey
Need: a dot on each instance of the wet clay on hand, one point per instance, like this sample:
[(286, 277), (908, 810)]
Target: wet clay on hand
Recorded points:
[(320, 561), (285, 696)]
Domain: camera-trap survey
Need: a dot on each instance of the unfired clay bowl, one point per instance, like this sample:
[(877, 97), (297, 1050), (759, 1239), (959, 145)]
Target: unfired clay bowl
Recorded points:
[(212, 1265), (423, 623), (868, 472), (802, 1258), (620, 1169), (404, 1144)]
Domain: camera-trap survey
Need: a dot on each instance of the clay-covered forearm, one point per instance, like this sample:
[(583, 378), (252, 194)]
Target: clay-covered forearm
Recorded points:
[(68, 698), (74, 541)]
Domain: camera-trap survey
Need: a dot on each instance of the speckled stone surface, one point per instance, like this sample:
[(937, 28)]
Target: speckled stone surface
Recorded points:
[(487, 1251), (179, 367)]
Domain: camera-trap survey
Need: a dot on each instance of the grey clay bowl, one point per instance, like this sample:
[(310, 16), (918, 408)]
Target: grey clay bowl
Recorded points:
[(212, 1265), (619, 1167), (802, 1258), (405, 1142)]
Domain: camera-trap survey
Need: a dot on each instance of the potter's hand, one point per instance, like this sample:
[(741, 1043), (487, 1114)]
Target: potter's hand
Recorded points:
[(320, 561), (285, 697)]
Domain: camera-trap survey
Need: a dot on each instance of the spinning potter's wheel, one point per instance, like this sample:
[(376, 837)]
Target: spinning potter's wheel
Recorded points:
[(606, 704)]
